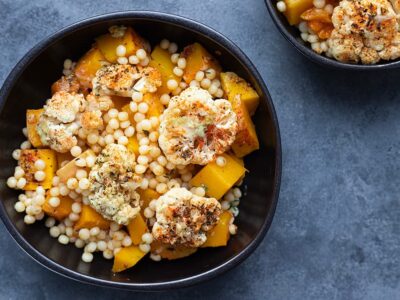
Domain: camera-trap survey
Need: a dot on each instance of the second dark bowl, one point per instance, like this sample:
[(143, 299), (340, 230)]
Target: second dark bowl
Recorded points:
[(292, 34), (28, 86)]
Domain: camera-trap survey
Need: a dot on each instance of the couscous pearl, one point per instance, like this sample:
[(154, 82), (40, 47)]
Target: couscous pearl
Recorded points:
[(84, 183), (158, 170), (148, 213), (40, 164), (114, 124), (229, 196), (21, 183), (127, 241), (181, 63), (139, 117), (122, 60), (144, 149), (146, 125), (76, 151), (200, 192), (153, 204), (113, 113), (68, 223), (64, 191), (40, 175), (72, 183), (101, 245), (123, 116), (155, 152), (319, 3), (153, 136), (329, 8), (172, 84), (19, 173), (19, 206), (210, 73), (125, 124), (164, 44), (50, 222), (63, 239), (92, 138), (84, 234), (172, 48), (281, 6), (116, 250), (81, 174), (153, 183), (67, 64), (129, 131), (56, 181), (118, 133), (91, 247), (108, 254), (304, 36), (161, 188), (199, 76), (90, 160), (74, 217), (61, 227), (141, 54), (237, 193), (225, 205), (144, 184), (176, 91), (165, 98), (54, 231), (140, 169), (183, 85), (143, 160), (12, 182), (79, 243), (221, 161), (143, 107), (123, 140), (312, 38), (144, 248), (147, 238), (174, 58), (28, 219), (87, 257), (232, 229), (109, 139), (216, 82), (155, 257), (205, 83), (170, 166), (16, 154), (213, 89), (133, 60), (303, 27), (25, 145), (94, 231), (137, 96), (54, 201), (120, 50), (80, 162), (186, 177), (144, 141), (178, 71), (133, 106), (219, 93), (39, 200)]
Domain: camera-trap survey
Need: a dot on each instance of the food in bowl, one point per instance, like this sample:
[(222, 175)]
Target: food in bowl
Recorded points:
[(350, 31), (138, 151)]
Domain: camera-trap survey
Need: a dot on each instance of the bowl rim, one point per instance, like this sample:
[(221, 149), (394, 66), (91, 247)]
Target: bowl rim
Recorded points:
[(200, 29), (318, 58)]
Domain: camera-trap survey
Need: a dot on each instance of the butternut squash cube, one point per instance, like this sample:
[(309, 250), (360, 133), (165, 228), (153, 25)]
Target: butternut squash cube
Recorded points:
[(246, 138), (294, 9), (198, 59), (61, 157), (219, 235), (108, 44), (161, 60), (218, 180), (32, 119), (171, 253), (87, 67), (136, 228), (90, 218), (235, 86), (126, 258), (27, 162), (60, 212), (156, 108), (120, 102), (69, 170), (133, 145)]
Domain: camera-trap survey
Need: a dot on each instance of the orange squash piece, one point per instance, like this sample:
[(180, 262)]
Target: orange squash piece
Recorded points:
[(32, 119), (27, 161), (68, 84), (316, 14), (87, 67), (126, 258), (198, 59), (120, 102), (325, 32), (69, 170), (90, 218), (136, 228), (219, 235), (60, 212), (161, 60), (133, 145), (315, 26), (146, 196), (156, 108), (294, 9)]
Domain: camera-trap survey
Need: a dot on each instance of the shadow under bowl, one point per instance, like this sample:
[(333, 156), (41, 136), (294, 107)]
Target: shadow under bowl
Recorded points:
[(28, 86)]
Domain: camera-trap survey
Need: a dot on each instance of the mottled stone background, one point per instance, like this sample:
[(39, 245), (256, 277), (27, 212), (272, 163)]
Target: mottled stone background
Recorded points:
[(336, 232)]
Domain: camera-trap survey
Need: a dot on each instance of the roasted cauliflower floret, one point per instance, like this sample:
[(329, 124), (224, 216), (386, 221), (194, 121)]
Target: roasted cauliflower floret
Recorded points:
[(57, 124), (364, 30), (91, 118), (184, 218), (113, 184), (123, 80), (194, 128)]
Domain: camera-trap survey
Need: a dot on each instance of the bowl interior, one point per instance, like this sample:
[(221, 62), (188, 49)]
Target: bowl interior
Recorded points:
[(32, 88), (292, 34)]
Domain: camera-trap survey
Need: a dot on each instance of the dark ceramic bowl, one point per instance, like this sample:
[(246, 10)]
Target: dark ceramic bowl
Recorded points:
[(28, 86), (292, 34)]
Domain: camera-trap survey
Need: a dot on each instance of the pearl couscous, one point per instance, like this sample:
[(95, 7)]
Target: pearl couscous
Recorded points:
[(350, 31), (137, 151)]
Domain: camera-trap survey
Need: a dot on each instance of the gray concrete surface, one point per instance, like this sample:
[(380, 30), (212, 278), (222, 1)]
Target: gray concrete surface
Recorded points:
[(336, 233)]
